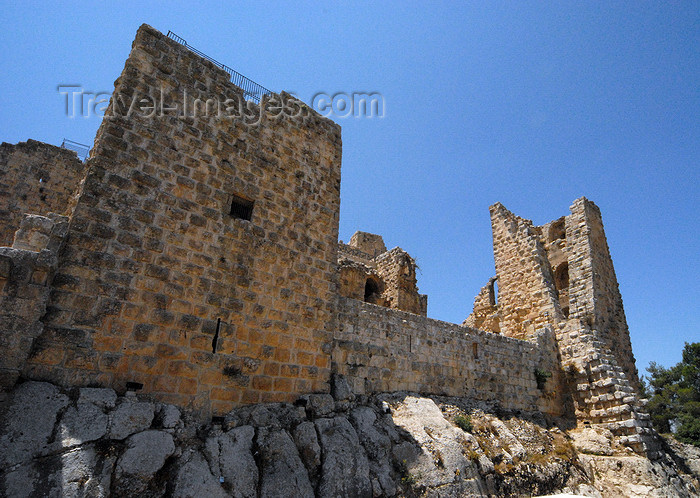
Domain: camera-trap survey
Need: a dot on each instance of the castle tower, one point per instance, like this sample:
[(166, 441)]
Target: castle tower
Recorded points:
[(201, 257), (561, 276)]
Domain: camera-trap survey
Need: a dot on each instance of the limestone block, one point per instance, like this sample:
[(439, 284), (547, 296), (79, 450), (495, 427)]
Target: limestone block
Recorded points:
[(130, 417), (145, 453), (102, 397), (27, 421), (282, 472), (82, 423)]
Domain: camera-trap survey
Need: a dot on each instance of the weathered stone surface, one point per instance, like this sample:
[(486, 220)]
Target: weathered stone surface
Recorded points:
[(442, 460), (169, 416), (306, 439), (82, 423), (145, 453), (413, 450), (102, 397), (77, 472), (378, 447), (27, 420), (340, 389), (230, 456), (282, 472), (594, 441), (319, 405), (345, 469), (130, 417), (194, 479)]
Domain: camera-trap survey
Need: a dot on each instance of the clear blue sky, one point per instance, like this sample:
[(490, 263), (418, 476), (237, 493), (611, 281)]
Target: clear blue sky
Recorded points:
[(530, 105)]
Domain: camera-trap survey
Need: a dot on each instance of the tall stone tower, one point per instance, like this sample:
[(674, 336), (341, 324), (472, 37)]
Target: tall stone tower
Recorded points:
[(201, 255), (561, 276)]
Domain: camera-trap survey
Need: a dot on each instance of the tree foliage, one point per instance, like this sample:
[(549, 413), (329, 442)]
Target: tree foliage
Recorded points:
[(674, 396)]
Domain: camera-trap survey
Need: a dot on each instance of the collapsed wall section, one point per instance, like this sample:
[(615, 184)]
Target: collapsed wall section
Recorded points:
[(201, 256), (26, 270), (35, 178), (383, 350)]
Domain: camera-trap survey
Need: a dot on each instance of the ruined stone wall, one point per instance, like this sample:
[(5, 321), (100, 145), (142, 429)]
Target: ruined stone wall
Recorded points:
[(369, 243), (594, 294), (159, 284), (485, 315), (26, 269), (398, 272), (527, 299), (370, 273), (382, 350), (35, 178)]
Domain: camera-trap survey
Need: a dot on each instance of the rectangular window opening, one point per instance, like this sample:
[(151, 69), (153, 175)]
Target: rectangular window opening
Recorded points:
[(241, 207), (475, 350)]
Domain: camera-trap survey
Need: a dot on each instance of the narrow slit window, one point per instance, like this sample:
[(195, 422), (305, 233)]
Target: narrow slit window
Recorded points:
[(241, 207), (475, 350)]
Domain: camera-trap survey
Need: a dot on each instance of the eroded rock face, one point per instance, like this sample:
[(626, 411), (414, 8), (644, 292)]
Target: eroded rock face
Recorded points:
[(230, 457), (28, 418), (345, 469), (84, 442), (130, 417), (145, 453), (283, 473)]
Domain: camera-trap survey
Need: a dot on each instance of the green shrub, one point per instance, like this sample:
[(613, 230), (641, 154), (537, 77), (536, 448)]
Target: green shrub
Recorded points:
[(464, 423)]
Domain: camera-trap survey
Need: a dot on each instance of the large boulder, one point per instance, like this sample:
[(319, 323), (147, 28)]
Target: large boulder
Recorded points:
[(82, 423), (194, 478), (99, 396), (283, 473), (130, 417), (231, 456), (306, 440), (145, 453), (27, 420), (345, 469)]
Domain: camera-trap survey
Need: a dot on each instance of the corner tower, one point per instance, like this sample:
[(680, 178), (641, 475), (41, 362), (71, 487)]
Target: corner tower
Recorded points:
[(561, 276), (201, 258)]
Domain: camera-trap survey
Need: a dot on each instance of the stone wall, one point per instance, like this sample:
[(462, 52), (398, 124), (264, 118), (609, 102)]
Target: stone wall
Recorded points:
[(527, 299), (35, 178), (26, 269), (398, 272), (370, 273), (382, 350), (160, 283), (595, 295)]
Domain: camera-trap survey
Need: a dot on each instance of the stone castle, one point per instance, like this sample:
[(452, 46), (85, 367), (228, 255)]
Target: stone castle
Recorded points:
[(196, 259)]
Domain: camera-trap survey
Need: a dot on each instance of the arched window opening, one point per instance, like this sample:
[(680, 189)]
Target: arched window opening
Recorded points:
[(371, 291), (561, 277), (557, 230)]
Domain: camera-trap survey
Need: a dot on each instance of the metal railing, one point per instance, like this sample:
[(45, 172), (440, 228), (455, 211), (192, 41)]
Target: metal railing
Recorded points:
[(251, 90), (81, 150)]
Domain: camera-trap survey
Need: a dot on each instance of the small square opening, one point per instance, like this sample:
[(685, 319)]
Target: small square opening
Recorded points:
[(241, 207)]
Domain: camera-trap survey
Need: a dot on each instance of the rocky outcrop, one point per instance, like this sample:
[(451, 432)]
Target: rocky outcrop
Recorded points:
[(91, 442)]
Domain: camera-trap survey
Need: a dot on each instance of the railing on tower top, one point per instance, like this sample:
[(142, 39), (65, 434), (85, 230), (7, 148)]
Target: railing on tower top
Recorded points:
[(251, 90), (81, 150)]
